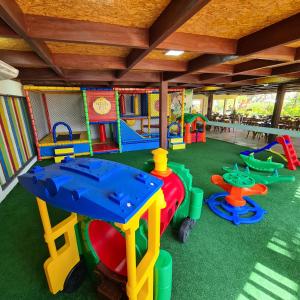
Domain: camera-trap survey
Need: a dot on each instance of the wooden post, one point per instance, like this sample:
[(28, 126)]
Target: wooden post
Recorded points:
[(277, 110), (210, 105), (163, 109), (224, 107)]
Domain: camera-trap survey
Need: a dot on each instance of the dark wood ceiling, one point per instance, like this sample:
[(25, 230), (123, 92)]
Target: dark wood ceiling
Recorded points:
[(51, 45)]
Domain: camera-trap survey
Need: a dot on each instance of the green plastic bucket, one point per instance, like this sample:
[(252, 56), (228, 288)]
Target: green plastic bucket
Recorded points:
[(163, 276), (196, 203)]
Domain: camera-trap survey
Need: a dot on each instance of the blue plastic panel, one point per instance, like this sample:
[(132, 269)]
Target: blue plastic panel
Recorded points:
[(78, 148), (92, 187), (128, 134), (134, 146)]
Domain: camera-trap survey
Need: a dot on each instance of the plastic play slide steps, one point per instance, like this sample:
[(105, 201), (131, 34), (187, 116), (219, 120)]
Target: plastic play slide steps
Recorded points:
[(61, 153), (289, 150), (177, 143)]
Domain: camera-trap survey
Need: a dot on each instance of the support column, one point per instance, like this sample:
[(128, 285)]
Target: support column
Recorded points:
[(224, 106), (210, 105), (163, 109), (277, 110)]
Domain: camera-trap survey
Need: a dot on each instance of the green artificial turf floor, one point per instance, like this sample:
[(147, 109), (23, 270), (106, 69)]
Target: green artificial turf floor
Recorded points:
[(219, 261)]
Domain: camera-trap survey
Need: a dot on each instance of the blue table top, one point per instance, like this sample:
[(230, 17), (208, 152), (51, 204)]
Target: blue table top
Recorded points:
[(96, 188)]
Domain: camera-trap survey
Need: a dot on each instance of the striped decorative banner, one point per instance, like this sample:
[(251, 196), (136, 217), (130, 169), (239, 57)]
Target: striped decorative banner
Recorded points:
[(16, 142)]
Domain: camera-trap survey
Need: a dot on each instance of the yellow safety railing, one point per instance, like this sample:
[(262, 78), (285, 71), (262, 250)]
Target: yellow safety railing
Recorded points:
[(50, 88)]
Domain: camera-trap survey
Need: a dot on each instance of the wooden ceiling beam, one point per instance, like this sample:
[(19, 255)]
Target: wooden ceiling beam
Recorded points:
[(199, 63), (38, 74), (130, 84), (240, 83), (292, 75), (254, 64), (141, 76), (280, 53), (27, 59), (161, 65), (6, 31), (88, 62), (173, 16), (241, 77), (258, 72), (67, 30), (212, 77), (198, 43), (96, 62), (73, 76), (216, 80), (83, 83), (288, 69), (210, 63), (297, 54), (208, 76), (45, 82), (87, 76), (85, 62), (208, 60), (151, 77), (189, 85), (11, 13), (189, 78), (23, 59), (76, 31), (218, 69), (280, 33)]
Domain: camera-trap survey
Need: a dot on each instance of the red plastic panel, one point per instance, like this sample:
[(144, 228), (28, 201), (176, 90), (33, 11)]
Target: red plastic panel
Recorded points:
[(101, 105), (109, 245), (174, 193), (289, 151)]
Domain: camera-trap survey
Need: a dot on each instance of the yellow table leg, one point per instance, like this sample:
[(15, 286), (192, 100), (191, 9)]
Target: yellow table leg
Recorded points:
[(140, 278), (62, 260)]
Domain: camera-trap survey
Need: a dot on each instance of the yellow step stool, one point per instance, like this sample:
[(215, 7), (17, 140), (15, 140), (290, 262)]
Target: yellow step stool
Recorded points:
[(61, 153), (177, 146), (176, 140)]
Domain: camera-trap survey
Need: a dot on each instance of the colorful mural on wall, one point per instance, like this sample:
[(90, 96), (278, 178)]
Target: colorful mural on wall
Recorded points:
[(16, 143)]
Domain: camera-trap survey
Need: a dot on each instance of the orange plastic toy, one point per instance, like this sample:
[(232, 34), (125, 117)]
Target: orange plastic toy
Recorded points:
[(234, 205), (236, 194)]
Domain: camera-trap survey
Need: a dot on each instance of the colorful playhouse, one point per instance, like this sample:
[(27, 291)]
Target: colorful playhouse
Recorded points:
[(194, 128), (86, 121)]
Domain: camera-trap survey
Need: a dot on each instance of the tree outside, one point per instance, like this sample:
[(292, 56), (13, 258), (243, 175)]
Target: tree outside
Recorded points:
[(259, 105), (291, 105)]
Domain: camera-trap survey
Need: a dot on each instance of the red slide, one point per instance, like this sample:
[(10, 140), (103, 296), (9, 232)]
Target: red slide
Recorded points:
[(289, 151)]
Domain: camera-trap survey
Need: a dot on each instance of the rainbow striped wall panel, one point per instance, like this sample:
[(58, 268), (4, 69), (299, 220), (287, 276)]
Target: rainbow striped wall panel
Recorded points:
[(16, 142)]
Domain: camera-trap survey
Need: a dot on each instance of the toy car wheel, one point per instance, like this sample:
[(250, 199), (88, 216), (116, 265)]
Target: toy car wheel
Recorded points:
[(185, 228), (75, 277)]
